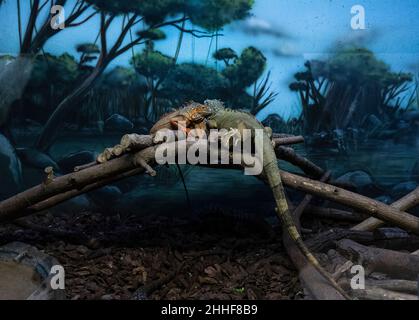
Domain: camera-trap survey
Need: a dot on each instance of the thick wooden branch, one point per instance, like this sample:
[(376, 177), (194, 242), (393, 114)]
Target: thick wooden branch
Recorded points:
[(66, 187), (335, 214), (309, 168), (299, 210), (381, 238), (62, 197), (376, 293), (410, 287), (284, 141), (407, 202), (326, 240), (393, 263), (13, 207), (358, 202)]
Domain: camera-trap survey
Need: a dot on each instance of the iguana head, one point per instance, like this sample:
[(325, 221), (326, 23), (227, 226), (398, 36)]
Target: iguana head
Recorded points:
[(191, 116)]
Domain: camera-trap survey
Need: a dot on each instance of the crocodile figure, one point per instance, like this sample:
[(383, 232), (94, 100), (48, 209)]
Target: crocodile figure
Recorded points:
[(213, 115)]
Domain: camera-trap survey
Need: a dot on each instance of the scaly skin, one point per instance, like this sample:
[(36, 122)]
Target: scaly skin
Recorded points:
[(191, 116), (218, 117)]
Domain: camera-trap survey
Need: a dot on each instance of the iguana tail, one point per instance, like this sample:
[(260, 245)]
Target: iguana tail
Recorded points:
[(272, 174)]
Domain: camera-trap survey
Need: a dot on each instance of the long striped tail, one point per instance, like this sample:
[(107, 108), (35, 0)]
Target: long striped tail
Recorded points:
[(273, 175)]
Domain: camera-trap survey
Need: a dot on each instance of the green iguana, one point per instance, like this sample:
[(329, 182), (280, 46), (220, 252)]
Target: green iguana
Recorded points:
[(213, 115)]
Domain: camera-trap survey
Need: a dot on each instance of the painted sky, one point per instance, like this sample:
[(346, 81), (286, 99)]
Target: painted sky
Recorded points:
[(297, 30)]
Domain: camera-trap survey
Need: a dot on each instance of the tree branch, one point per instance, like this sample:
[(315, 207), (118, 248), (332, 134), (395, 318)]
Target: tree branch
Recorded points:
[(42, 6), (121, 37), (47, 32), (26, 44), (76, 24), (396, 264), (409, 201), (196, 33), (104, 25), (19, 23)]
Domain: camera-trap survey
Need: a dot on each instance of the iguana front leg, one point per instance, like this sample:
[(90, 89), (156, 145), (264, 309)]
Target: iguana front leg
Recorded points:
[(129, 142), (180, 125)]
